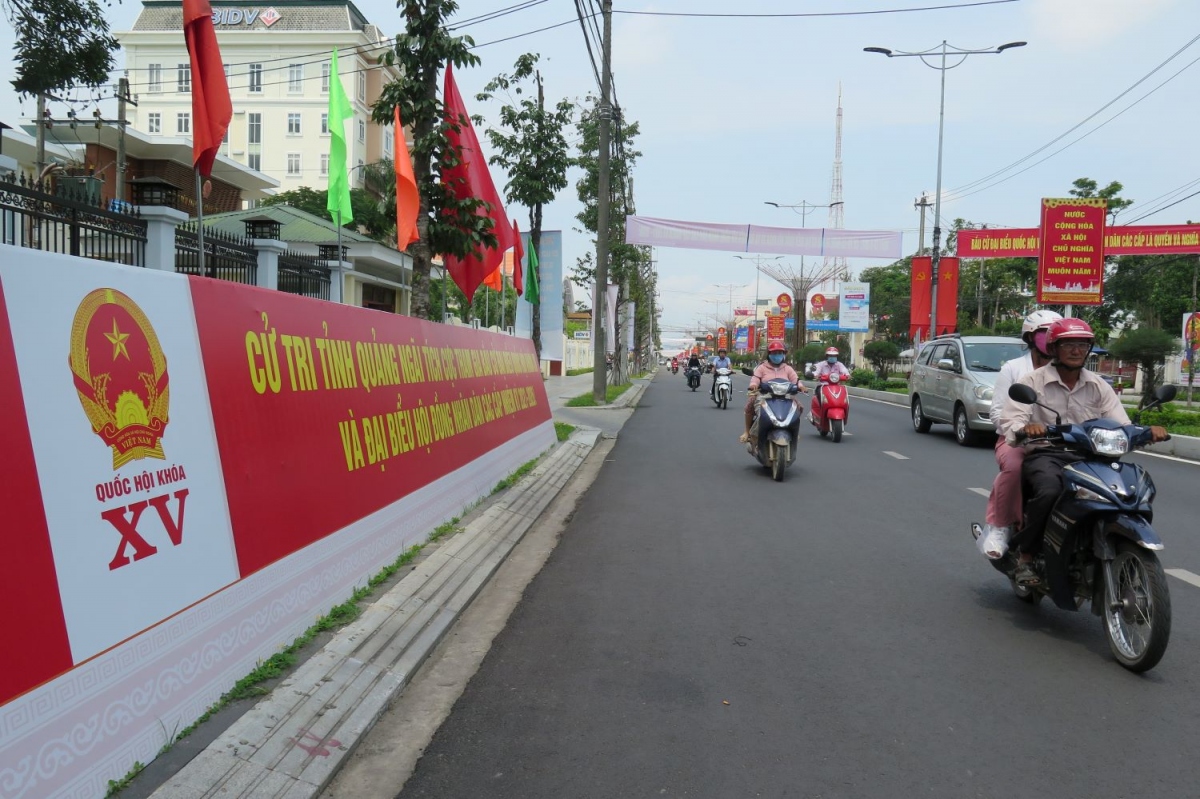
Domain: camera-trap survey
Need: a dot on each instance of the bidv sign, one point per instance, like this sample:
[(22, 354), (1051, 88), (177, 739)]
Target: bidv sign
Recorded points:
[(245, 16)]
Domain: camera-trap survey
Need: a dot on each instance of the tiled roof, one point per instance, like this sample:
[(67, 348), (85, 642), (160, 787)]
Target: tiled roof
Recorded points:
[(296, 226)]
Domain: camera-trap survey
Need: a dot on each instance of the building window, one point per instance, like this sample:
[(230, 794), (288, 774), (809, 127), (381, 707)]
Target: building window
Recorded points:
[(254, 161), (359, 170), (362, 130), (183, 122), (293, 165), (256, 78), (362, 87), (325, 70), (154, 123), (295, 78), (324, 165), (155, 81), (324, 124), (387, 141), (293, 124), (183, 80), (254, 128)]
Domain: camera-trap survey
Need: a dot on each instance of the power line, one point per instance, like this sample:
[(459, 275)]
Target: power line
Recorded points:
[(813, 13), (1165, 207)]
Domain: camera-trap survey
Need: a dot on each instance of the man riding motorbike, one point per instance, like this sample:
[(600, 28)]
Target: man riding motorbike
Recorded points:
[(720, 362), (1078, 395), (1004, 503), (773, 368), (830, 366)]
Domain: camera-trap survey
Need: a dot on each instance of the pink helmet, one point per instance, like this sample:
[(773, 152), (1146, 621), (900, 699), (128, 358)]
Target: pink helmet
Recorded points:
[(1069, 328), (832, 351)]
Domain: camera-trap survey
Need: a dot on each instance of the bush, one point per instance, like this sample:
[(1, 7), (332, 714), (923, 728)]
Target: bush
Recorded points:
[(862, 377)]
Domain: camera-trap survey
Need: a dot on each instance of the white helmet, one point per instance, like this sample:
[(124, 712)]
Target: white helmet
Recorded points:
[(1037, 321)]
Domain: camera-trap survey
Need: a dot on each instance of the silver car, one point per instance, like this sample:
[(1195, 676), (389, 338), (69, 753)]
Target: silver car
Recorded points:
[(952, 381)]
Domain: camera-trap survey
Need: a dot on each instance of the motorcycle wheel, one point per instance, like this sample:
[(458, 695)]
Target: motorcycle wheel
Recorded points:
[(723, 402), (836, 426), (1139, 630), (778, 462)]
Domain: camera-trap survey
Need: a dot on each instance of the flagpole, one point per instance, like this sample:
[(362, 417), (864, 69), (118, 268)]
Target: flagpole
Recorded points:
[(339, 241), (200, 222), (503, 288)]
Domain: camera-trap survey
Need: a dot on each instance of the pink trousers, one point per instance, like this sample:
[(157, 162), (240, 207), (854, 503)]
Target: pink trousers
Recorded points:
[(1004, 504)]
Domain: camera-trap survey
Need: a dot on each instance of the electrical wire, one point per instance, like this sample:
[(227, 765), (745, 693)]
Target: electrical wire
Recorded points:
[(1159, 210), (814, 13)]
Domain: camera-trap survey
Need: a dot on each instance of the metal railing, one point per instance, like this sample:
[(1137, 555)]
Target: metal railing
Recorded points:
[(68, 221), (226, 257), (305, 275)]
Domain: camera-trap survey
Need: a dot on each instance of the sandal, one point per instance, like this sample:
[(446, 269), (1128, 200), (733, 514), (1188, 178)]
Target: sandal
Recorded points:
[(1025, 575)]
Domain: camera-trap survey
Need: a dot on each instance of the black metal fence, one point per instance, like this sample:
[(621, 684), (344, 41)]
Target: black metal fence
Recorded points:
[(226, 257), (306, 275), (65, 219)]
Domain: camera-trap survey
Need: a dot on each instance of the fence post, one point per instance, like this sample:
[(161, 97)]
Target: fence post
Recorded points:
[(269, 251), (337, 279), (161, 222)]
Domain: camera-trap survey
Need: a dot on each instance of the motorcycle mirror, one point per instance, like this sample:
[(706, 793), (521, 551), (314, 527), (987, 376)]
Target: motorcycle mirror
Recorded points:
[(747, 371), (1019, 392), (1164, 393)]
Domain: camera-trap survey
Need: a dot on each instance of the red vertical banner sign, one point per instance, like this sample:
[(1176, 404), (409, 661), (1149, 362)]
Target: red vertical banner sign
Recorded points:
[(1071, 262), (34, 647), (752, 337), (918, 316), (776, 326), (947, 310)]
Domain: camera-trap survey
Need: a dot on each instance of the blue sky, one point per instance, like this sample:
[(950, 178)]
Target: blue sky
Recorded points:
[(738, 111)]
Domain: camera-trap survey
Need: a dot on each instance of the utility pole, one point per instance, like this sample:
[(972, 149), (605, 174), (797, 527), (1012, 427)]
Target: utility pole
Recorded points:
[(603, 201), (41, 135), (123, 99), (921, 205), (1189, 330)]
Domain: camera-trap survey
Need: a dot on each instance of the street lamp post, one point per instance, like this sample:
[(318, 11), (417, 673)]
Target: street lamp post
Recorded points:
[(943, 50), (757, 260), (805, 207)]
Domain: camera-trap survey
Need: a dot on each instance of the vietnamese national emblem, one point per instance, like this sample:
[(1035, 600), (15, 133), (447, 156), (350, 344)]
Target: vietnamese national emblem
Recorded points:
[(120, 375)]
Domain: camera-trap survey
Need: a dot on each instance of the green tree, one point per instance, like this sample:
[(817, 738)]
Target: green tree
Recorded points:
[(882, 355), (1087, 188), (59, 44), (368, 217), (446, 224), (532, 148), (1149, 347), (891, 297)]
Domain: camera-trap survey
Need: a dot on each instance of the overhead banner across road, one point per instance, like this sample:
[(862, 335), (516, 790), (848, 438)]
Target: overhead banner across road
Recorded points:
[(829, 242), (1118, 240)]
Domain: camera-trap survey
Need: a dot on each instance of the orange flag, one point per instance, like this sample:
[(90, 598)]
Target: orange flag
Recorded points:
[(518, 258), (408, 199), (211, 106), (494, 281)]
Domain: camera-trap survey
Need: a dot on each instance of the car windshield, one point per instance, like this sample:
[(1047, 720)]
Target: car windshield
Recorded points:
[(990, 357)]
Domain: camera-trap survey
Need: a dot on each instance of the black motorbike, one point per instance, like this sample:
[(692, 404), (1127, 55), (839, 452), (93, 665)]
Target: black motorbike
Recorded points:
[(693, 377), (1099, 545), (776, 428)]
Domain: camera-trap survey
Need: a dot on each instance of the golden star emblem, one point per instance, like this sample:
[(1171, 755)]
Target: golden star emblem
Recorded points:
[(118, 341)]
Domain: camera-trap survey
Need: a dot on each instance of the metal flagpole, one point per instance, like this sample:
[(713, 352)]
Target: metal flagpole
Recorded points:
[(200, 222)]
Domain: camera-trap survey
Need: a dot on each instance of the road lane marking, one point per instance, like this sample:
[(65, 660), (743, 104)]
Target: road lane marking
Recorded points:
[(896, 455), (1166, 457), (1185, 575), (983, 492)]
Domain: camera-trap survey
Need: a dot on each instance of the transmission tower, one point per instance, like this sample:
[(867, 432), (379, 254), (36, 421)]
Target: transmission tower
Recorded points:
[(837, 266)]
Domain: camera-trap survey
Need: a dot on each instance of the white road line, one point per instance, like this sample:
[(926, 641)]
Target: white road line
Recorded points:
[(1185, 575), (983, 492), (896, 455), (1166, 457)]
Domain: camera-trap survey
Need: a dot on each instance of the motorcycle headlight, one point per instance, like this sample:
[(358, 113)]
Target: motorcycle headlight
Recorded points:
[(1088, 494), (984, 392), (1109, 442)]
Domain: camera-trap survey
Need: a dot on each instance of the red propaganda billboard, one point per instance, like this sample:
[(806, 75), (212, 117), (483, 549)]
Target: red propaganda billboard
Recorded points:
[(784, 301), (1006, 243), (386, 404), (1118, 240), (776, 325), (921, 292), (1071, 262)]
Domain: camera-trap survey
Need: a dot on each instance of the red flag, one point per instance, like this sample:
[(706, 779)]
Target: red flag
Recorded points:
[(408, 199), (211, 107), (947, 311), (518, 257), (918, 315), (471, 178)]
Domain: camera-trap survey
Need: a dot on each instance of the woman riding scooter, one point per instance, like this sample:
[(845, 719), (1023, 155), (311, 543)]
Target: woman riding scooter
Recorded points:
[(773, 368)]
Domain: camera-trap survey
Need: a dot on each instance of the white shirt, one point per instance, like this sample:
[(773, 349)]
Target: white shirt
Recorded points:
[(1010, 372), (1092, 398)]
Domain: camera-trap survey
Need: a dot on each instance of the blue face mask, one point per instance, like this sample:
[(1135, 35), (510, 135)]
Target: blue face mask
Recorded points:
[(775, 358), (832, 359)]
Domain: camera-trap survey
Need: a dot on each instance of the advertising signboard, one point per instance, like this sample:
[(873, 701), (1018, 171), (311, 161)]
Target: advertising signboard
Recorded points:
[(1071, 261), (854, 307)]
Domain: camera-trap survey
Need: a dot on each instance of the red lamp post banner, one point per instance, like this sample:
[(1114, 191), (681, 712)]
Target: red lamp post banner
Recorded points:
[(776, 325), (1071, 262), (920, 294)]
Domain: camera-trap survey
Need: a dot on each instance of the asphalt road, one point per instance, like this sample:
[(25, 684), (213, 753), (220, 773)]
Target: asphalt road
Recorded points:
[(703, 631)]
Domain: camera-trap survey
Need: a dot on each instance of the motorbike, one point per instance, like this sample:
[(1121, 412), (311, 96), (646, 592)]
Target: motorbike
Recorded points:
[(829, 415), (724, 388), (776, 428), (674, 368), (693, 377), (1099, 545)]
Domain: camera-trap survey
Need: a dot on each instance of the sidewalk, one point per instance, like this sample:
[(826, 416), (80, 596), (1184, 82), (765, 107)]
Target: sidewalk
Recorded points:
[(291, 743)]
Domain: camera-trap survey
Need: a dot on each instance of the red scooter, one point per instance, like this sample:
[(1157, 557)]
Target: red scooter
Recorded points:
[(829, 415)]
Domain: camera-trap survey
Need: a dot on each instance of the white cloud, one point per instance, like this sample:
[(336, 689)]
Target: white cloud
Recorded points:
[(1086, 24)]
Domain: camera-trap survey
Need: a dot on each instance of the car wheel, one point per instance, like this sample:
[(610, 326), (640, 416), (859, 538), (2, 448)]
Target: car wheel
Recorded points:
[(920, 423), (962, 431)]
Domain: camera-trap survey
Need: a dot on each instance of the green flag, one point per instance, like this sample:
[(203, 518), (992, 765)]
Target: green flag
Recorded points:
[(339, 178), (531, 277)]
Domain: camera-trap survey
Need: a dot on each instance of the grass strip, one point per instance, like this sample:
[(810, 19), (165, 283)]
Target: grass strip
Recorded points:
[(573, 372), (587, 400), (563, 430)]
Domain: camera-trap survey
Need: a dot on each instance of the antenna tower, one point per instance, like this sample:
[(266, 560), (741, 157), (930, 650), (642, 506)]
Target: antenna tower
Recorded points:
[(837, 267)]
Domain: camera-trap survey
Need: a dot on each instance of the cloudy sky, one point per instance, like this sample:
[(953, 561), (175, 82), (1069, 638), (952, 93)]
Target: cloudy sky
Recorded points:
[(739, 110)]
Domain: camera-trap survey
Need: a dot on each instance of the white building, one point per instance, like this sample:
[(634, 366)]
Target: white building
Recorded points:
[(277, 61)]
